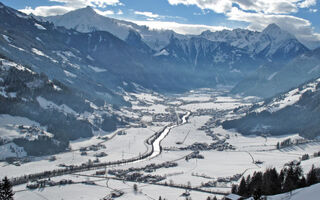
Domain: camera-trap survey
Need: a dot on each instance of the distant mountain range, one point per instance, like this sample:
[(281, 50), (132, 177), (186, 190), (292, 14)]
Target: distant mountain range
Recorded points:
[(100, 54), (229, 56)]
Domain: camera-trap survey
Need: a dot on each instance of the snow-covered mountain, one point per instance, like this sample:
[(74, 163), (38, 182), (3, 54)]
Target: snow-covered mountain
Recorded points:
[(295, 111), (272, 42), (42, 115), (227, 64), (86, 20)]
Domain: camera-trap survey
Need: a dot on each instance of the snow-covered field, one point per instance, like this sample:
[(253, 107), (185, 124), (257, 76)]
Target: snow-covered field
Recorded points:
[(200, 128)]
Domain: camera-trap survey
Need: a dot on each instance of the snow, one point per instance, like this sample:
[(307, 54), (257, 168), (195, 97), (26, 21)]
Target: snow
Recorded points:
[(3, 92), (69, 74), (40, 53), (104, 188), (12, 94), (4, 49), (20, 49), (216, 164), (46, 104), (307, 193), (11, 150), (37, 38), (39, 26), (9, 128), (187, 133), (163, 52), (6, 38), (57, 88), (97, 69), (6, 65), (90, 58), (288, 99), (271, 76), (6, 120), (24, 16), (211, 105)]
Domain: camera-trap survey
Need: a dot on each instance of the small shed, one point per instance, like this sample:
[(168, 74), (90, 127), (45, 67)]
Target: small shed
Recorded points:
[(233, 197)]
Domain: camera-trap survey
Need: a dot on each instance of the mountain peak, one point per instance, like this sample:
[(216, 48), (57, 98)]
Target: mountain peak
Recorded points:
[(86, 10), (275, 32), (272, 26)]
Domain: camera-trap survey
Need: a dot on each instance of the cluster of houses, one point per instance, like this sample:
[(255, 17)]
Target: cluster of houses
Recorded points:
[(44, 183), (220, 145), (30, 132)]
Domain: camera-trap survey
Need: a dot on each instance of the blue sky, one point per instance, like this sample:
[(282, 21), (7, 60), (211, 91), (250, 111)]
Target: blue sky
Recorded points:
[(300, 17)]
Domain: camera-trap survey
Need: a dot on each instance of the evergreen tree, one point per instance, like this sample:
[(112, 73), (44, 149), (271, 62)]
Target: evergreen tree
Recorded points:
[(234, 189), (242, 189), (135, 188), (256, 182), (312, 176), (292, 178), (214, 198), (302, 182), (271, 182), (257, 194), (6, 189), (281, 178)]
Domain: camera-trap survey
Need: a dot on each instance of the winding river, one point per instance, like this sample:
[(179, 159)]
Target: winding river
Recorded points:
[(156, 145), (155, 151)]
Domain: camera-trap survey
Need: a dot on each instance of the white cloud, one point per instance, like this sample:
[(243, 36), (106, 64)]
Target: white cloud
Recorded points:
[(307, 3), (224, 6), (104, 13), (219, 6), (47, 10), (119, 12), (180, 28), (69, 5), (147, 14)]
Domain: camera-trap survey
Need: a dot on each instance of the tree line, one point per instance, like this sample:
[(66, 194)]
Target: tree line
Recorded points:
[(271, 182)]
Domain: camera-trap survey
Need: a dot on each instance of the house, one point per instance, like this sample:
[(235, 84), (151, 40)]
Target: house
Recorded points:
[(233, 197)]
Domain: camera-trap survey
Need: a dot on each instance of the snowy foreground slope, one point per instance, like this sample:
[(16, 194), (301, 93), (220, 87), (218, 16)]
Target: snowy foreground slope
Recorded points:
[(307, 193)]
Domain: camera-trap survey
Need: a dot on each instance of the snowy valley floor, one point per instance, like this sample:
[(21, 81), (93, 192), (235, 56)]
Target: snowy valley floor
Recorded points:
[(226, 155)]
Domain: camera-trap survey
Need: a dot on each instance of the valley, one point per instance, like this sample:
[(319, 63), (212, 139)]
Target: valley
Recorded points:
[(95, 107), (163, 156)]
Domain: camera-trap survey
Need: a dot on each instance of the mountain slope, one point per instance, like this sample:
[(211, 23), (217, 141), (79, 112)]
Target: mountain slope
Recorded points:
[(271, 79), (296, 111), (43, 115), (226, 64)]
